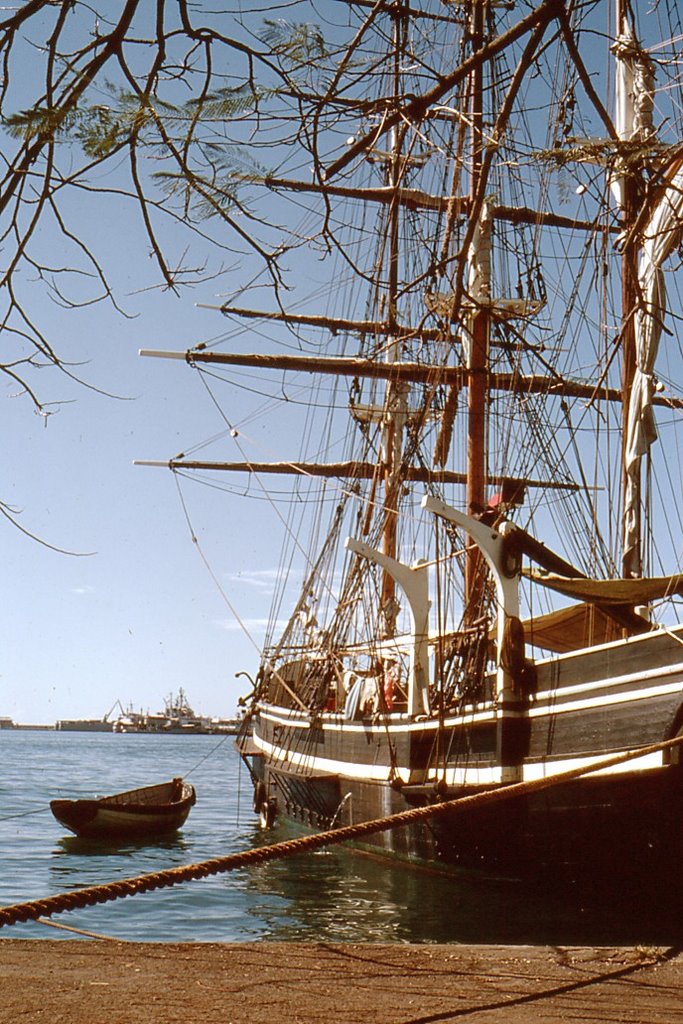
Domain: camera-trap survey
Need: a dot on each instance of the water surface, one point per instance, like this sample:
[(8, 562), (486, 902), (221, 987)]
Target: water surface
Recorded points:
[(335, 896)]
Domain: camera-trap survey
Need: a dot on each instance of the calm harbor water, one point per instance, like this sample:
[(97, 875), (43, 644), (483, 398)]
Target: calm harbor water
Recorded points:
[(335, 896)]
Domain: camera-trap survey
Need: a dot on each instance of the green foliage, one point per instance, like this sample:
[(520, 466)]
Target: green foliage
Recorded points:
[(201, 148), (99, 128), (210, 194), (217, 170), (298, 43), (39, 121), (226, 104)]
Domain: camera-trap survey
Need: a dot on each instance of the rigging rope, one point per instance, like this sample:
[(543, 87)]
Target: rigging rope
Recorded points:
[(209, 754), (89, 896), (25, 814)]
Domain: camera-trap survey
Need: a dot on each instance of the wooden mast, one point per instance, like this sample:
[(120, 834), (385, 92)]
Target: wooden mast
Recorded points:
[(395, 404), (479, 324), (634, 102), (632, 561)]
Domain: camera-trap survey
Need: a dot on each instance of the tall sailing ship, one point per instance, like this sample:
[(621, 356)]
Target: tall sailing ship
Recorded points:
[(491, 546)]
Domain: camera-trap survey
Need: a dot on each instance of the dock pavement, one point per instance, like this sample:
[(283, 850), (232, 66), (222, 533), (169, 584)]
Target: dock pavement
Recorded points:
[(67, 981)]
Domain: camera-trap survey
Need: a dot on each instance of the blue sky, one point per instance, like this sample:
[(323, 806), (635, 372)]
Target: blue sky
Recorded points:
[(141, 615), (138, 614)]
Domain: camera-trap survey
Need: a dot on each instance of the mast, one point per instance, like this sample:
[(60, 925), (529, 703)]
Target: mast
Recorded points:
[(478, 329), (633, 122), (395, 407), (632, 559)]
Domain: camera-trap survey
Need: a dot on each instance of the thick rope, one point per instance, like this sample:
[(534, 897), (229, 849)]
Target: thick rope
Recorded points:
[(79, 898)]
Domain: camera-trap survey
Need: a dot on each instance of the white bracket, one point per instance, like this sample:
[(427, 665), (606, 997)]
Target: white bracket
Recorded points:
[(414, 582), (491, 543)]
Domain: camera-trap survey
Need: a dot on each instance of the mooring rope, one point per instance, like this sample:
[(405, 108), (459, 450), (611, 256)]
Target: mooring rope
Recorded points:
[(25, 814), (79, 931), (89, 896)]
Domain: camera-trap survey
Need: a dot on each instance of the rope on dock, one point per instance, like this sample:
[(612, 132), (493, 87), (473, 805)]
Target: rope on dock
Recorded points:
[(79, 898), (79, 931)]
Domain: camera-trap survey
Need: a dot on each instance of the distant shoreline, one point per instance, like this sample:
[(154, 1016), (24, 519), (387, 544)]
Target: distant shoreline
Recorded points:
[(227, 727), (16, 725)]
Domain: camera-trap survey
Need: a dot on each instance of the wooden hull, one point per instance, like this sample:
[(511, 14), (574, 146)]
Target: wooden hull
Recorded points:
[(143, 813), (587, 706)]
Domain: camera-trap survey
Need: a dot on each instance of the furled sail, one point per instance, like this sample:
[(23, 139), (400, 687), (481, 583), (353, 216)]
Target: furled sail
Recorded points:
[(635, 85), (571, 628), (662, 235), (625, 591)]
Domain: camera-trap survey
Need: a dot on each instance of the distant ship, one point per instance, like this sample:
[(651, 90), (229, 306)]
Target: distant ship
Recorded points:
[(103, 724), (177, 717)]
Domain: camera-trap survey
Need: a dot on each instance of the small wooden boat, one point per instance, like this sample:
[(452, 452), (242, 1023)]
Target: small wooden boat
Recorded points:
[(147, 812)]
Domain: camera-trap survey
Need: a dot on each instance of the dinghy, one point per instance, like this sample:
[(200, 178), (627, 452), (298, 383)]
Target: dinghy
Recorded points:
[(147, 812)]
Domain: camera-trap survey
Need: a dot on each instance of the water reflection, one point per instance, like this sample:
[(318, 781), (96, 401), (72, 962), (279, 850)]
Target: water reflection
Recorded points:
[(79, 862), (341, 895), (80, 846)]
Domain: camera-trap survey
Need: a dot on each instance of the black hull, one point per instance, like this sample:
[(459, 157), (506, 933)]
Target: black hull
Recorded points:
[(619, 827), (596, 831)]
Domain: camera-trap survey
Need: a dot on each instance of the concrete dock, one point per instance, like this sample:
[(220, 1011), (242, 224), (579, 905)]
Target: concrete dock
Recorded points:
[(104, 982)]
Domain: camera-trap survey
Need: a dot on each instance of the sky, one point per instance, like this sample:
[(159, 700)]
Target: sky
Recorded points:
[(134, 613), (137, 609)]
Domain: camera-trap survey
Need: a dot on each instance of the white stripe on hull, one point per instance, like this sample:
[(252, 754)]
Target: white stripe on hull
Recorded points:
[(545, 769), (549, 708), (614, 682), (332, 723), (289, 758), (466, 775), (606, 700), (544, 702), (470, 775)]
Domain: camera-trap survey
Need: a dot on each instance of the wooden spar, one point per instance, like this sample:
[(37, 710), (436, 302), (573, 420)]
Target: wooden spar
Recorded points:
[(415, 373), (479, 284), (476, 244), (632, 563), (415, 109), (524, 543), (334, 324), (347, 470), (415, 199), (395, 394), (337, 325), (526, 215), (410, 198)]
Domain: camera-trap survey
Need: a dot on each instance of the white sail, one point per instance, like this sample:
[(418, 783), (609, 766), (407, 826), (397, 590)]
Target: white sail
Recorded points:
[(635, 85)]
